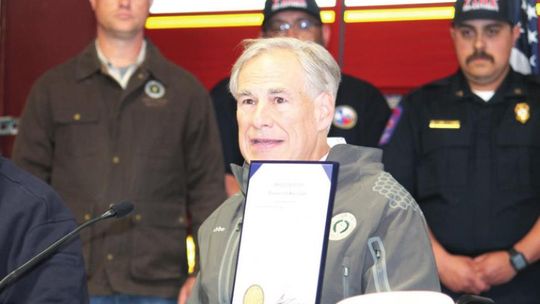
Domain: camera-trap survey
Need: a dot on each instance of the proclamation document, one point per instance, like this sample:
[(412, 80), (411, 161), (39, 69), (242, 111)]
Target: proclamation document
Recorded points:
[(285, 232)]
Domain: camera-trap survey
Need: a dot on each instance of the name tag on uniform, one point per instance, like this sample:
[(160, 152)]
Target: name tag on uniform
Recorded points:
[(444, 124)]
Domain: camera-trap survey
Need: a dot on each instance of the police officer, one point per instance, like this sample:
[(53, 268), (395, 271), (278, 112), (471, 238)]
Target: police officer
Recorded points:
[(468, 148), (361, 110)]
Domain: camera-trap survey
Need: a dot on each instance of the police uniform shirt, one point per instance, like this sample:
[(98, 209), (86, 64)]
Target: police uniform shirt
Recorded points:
[(473, 166)]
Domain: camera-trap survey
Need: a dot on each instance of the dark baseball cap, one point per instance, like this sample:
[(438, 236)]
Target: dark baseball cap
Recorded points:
[(501, 10), (272, 7)]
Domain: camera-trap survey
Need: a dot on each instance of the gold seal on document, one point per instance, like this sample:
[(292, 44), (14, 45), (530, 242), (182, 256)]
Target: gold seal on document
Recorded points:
[(254, 295), (522, 112)]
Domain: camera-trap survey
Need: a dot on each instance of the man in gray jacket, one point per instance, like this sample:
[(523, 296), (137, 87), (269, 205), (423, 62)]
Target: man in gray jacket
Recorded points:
[(286, 91)]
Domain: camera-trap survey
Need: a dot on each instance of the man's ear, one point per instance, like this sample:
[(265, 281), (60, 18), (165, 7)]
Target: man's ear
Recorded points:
[(93, 4), (516, 32), (453, 33), (324, 111)]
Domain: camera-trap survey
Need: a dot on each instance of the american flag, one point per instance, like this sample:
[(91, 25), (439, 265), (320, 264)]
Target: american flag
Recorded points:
[(524, 57)]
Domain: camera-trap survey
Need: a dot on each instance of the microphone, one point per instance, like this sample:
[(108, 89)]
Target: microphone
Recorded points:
[(116, 210)]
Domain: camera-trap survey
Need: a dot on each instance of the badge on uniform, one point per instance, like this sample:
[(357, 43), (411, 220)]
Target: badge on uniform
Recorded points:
[(154, 89), (444, 124), (522, 112), (345, 117)]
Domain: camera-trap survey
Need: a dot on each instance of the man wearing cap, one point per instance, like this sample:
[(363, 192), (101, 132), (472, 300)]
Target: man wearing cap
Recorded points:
[(119, 121), (361, 110), (467, 148)]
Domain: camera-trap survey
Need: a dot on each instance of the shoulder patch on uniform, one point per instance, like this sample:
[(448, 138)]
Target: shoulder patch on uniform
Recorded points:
[(345, 117), (391, 125), (342, 226), (398, 196)]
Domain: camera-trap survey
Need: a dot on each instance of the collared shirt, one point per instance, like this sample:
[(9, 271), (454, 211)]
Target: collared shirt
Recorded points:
[(485, 95), (474, 168), (333, 141), (121, 74)]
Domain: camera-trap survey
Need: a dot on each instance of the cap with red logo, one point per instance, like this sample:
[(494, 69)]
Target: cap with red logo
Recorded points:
[(501, 10), (272, 7)]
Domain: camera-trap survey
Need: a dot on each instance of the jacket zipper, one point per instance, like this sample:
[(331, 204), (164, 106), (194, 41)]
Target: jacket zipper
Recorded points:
[(380, 275), (227, 264), (346, 274)]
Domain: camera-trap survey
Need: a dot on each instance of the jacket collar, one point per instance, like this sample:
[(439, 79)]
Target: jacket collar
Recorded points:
[(154, 63), (512, 86), (349, 157), (242, 175)]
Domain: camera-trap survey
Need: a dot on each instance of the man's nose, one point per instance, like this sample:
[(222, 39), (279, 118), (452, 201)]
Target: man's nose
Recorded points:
[(124, 3), (479, 42), (262, 116), (292, 33)]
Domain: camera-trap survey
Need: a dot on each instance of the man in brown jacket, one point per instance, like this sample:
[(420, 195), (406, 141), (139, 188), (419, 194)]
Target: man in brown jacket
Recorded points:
[(118, 122)]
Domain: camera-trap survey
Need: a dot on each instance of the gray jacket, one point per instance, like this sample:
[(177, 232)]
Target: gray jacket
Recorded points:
[(378, 239)]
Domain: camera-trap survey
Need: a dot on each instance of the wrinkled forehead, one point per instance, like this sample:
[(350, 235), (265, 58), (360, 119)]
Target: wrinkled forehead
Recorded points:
[(273, 72)]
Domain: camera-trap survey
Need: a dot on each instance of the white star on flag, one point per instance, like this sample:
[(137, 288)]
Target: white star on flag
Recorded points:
[(524, 54)]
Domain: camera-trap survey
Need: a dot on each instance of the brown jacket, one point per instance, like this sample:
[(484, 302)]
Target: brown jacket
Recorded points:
[(98, 144)]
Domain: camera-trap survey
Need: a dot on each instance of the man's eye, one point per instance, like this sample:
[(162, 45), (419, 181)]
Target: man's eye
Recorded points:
[(466, 33), (279, 26), (492, 32), (279, 100), (304, 24), (247, 101), (283, 27)]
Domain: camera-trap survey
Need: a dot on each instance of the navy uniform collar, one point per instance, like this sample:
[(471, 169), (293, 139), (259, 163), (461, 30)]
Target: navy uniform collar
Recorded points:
[(513, 86)]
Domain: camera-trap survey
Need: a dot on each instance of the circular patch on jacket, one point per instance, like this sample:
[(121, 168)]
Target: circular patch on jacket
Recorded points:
[(345, 117), (342, 226), (154, 89)]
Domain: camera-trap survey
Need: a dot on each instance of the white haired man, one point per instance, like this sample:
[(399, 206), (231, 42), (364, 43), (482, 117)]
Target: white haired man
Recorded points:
[(286, 90), (361, 110)]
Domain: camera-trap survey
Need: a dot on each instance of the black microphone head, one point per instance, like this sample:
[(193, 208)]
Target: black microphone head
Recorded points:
[(122, 209)]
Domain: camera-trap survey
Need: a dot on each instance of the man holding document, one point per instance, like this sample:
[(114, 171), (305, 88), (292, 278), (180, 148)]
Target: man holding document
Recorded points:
[(286, 91)]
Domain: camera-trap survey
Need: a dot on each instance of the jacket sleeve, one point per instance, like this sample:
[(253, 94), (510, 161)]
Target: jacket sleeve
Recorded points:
[(33, 149), (399, 254), (204, 162), (59, 279), (198, 294)]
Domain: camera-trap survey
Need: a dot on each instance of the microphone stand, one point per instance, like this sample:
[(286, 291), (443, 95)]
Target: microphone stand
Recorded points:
[(113, 212)]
